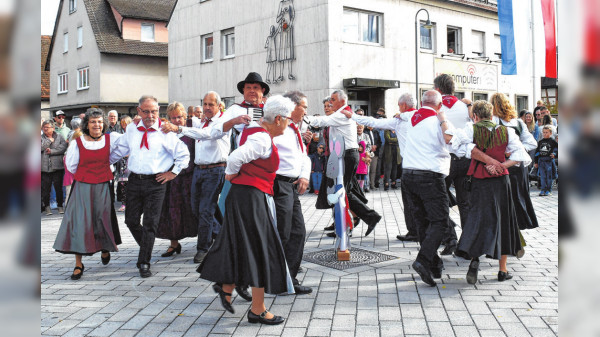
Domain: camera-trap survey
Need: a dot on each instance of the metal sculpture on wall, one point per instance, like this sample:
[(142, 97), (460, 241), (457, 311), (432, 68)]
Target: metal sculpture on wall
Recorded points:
[(280, 44)]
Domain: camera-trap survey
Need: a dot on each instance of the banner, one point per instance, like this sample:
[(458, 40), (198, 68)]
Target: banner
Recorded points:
[(468, 75)]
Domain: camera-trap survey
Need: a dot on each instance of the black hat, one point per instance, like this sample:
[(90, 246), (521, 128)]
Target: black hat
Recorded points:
[(253, 78)]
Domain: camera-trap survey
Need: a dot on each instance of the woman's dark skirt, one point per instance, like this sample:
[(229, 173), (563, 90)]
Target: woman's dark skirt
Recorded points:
[(248, 251), (90, 222), (491, 227), (519, 184), (177, 221)]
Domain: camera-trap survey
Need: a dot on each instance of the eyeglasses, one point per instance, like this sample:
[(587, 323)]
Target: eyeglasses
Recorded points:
[(60, 117), (149, 111)]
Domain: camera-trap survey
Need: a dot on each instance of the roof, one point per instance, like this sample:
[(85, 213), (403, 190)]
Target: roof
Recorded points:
[(46, 39), (159, 10), (106, 29)]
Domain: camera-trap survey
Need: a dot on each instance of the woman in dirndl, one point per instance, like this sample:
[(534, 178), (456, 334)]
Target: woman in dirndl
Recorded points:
[(90, 222), (248, 251), (177, 221), (491, 227)]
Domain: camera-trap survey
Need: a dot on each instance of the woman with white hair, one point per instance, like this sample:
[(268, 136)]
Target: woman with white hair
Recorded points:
[(247, 251)]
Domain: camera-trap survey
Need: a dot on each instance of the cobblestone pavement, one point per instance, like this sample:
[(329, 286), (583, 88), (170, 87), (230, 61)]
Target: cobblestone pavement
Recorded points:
[(381, 299)]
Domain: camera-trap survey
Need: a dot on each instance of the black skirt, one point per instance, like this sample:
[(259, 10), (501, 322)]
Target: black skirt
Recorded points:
[(519, 184), (491, 227), (247, 251)]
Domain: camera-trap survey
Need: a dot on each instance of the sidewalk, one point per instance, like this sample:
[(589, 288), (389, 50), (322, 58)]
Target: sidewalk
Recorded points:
[(374, 299)]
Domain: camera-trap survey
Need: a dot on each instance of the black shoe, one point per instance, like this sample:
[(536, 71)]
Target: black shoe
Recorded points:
[(372, 225), (394, 186), (223, 295), (386, 187), (424, 272), (407, 237), (243, 293), (331, 234), (450, 248), (105, 260), (77, 276), (301, 290), (355, 222), (366, 190), (172, 250), (145, 270), (376, 185), (330, 227), (472, 273), (503, 276), (199, 257), (437, 272), (254, 318)]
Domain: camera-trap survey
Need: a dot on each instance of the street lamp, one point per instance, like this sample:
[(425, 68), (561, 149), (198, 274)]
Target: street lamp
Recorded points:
[(427, 25)]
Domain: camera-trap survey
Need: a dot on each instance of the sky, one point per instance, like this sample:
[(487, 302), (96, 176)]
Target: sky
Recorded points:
[(48, 15)]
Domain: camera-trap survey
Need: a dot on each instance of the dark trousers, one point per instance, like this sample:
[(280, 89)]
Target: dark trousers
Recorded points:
[(356, 203), (373, 178), (427, 204), (391, 165), (50, 179), (410, 224), (458, 173), (206, 187), (144, 196), (290, 224)]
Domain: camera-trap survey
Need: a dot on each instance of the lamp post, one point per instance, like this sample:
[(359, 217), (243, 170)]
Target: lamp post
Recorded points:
[(427, 25)]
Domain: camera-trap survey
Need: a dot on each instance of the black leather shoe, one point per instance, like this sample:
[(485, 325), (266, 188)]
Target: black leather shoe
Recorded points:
[(424, 272), (77, 276), (199, 257), (254, 318), (503, 276), (450, 248), (331, 234), (472, 273), (330, 227), (437, 272), (172, 250), (145, 270), (105, 260), (243, 293), (407, 237), (222, 295), (372, 225), (302, 290)]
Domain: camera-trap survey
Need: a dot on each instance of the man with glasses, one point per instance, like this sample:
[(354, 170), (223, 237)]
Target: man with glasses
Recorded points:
[(154, 159), (60, 126)]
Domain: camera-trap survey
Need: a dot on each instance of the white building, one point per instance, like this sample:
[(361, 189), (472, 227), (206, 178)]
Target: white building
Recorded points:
[(108, 53), (365, 47)]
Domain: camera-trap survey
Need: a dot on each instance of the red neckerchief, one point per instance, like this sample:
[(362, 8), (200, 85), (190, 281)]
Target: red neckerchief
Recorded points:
[(293, 126), (421, 115), (245, 104), (145, 136), (449, 101)]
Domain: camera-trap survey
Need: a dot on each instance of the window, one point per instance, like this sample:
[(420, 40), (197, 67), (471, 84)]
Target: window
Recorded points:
[(72, 6), (454, 38), (497, 47), (228, 101), (459, 94), (147, 32), (207, 48), (522, 102), (83, 78), (480, 96), (478, 42), (362, 27), (228, 43), (427, 37), (63, 83), (66, 42), (79, 37)]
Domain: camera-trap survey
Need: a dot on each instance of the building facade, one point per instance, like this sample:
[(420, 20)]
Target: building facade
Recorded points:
[(108, 53), (365, 47)]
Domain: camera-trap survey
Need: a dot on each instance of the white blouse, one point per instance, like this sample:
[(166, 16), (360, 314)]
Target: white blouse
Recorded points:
[(257, 145), (72, 156)]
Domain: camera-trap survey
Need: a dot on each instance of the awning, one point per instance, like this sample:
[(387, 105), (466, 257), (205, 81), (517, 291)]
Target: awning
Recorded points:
[(369, 83)]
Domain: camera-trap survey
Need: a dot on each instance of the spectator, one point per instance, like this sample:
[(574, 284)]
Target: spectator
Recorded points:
[(60, 127), (364, 160), (122, 173), (318, 162), (53, 170), (545, 154)]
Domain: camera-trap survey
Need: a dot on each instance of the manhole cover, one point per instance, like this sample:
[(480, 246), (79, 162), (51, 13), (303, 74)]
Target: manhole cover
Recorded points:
[(358, 257)]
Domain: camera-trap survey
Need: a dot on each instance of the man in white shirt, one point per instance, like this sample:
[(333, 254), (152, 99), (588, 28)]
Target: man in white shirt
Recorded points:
[(151, 153), (291, 181), (426, 164), (212, 150), (339, 125), (458, 115)]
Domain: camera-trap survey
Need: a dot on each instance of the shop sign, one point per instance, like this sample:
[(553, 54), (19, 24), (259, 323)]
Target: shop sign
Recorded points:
[(468, 75)]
